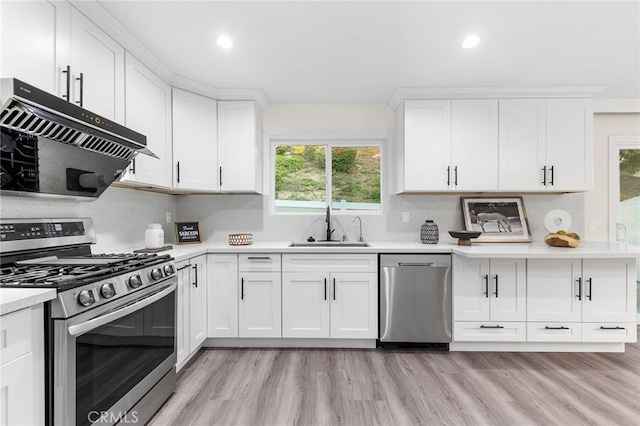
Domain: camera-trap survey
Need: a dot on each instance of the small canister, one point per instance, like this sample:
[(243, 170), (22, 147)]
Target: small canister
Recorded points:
[(429, 233), (154, 236)]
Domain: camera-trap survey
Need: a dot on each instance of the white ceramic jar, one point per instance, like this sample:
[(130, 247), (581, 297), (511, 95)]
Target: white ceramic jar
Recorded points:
[(154, 236)]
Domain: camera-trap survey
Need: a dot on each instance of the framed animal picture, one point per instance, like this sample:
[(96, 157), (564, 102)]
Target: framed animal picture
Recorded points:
[(500, 219)]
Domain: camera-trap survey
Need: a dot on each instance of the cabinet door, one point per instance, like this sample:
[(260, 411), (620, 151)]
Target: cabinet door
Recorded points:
[(222, 295), (569, 144), (182, 311), (149, 113), (522, 144), (101, 61), (260, 304), (508, 299), (17, 392), (198, 302), (28, 50), (474, 144), (553, 290), (239, 146), (195, 137), (427, 145), (354, 305), (609, 290), (305, 304), (470, 289)]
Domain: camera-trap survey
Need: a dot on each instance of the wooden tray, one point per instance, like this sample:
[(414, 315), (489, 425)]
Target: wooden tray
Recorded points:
[(558, 240)]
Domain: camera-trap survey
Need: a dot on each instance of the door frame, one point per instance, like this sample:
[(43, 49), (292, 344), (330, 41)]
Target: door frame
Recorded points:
[(616, 143)]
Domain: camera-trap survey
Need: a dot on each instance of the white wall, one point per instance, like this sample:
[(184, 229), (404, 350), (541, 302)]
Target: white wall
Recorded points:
[(597, 201), (120, 215), (222, 215)]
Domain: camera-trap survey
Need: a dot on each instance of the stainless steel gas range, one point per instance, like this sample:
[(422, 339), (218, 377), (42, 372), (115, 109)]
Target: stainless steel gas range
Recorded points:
[(110, 335)]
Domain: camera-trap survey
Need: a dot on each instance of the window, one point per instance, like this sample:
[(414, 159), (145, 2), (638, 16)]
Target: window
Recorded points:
[(308, 175)]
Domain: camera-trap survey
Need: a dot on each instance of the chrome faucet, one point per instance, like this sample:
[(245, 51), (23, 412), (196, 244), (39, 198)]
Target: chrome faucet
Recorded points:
[(328, 220), (360, 237)]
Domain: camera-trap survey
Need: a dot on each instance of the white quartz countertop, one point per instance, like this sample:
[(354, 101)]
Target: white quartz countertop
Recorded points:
[(14, 299), (495, 250)]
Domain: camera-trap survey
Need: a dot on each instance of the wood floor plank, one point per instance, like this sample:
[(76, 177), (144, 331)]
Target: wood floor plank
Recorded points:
[(405, 387)]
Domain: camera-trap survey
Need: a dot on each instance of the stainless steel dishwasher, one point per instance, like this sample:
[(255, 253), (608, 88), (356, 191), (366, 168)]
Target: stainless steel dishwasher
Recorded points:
[(415, 298)]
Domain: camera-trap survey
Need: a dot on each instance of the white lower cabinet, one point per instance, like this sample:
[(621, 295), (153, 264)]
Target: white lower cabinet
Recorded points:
[(330, 296), (260, 298), (486, 331), (22, 393), (587, 300), (191, 313), (222, 295)]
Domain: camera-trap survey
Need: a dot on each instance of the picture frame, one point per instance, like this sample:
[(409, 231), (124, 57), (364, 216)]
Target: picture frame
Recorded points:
[(500, 219), (188, 232)]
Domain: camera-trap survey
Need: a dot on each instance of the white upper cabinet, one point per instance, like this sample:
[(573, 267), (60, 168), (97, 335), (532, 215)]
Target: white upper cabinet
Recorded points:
[(33, 58), (427, 145), (474, 144), (239, 146), (194, 142), (546, 144), (448, 145), (97, 69), (149, 112)]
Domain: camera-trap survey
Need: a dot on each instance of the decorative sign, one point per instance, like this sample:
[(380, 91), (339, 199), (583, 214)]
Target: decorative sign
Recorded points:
[(187, 233)]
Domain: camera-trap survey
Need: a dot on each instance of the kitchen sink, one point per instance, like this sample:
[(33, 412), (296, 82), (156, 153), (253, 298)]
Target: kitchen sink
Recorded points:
[(329, 244)]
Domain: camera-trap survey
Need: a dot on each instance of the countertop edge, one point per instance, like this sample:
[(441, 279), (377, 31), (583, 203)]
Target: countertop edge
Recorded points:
[(14, 299)]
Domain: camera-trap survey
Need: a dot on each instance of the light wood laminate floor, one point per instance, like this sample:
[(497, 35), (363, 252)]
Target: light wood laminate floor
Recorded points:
[(405, 387)]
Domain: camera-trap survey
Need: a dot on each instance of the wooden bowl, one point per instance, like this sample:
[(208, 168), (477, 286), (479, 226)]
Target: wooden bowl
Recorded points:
[(559, 240), (464, 237)]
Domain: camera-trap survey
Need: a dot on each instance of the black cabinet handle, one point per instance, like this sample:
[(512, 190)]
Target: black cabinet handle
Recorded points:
[(68, 72), (195, 267), (579, 295), (241, 288), (259, 258), (496, 292), (325, 289), (556, 328), (221, 176), (184, 267), (178, 171), (491, 326), (455, 176), (612, 328), (448, 175), (544, 175), (334, 289), (551, 180), (486, 286), (590, 289), (132, 167), (81, 80)]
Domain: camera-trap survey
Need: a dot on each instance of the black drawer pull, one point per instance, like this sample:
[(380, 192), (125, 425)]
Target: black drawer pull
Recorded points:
[(259, 258), (612, 328), (556, 328), (491, 326)]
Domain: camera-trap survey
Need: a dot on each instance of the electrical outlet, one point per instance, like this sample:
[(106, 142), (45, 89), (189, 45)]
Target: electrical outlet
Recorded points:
[(167, 217), (592, 227), (405, 217)]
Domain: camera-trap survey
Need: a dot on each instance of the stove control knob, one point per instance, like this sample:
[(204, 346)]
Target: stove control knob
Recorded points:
[(156, 273), (168, 269), (135, 281), (107, 291), (85, 298)]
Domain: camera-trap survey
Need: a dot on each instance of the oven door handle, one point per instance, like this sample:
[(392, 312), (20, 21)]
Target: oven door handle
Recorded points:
[(122, 311)]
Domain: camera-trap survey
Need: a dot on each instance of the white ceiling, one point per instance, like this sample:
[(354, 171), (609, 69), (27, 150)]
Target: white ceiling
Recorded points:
[(361, 52)]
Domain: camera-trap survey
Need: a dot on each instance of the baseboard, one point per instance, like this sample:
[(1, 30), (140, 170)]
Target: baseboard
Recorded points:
[(289, 343)]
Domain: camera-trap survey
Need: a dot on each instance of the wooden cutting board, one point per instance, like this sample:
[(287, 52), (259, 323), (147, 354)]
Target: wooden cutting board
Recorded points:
[(558, 240)]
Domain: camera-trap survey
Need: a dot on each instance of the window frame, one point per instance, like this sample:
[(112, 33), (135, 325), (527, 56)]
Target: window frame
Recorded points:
[(330, 142)]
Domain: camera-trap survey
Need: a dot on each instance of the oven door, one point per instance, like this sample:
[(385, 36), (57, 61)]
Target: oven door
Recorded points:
[(105, 362)]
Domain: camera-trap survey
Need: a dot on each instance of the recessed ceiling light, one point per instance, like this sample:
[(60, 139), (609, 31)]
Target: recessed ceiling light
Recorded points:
[(471, 41), (224, 42)]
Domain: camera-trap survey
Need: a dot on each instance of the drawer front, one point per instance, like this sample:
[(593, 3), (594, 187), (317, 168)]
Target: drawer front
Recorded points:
[(554, 332), (15, 335), (609, 332), (330, 262), (260, 262), (486, 331)]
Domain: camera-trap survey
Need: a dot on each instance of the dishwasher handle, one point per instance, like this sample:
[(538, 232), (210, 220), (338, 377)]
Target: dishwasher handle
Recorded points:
[(415, 264)]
